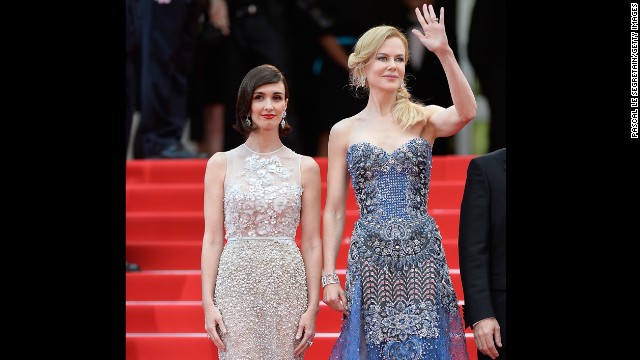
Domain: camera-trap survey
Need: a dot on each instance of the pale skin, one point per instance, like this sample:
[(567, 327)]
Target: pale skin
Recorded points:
[(375, 125), (219, 15), (484, 333), (267, 100)]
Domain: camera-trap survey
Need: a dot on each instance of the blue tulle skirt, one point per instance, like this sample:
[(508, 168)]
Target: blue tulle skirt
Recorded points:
[(352, 345)]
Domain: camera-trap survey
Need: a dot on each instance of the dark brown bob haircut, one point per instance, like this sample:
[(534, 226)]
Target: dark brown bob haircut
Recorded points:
[(256, 77)]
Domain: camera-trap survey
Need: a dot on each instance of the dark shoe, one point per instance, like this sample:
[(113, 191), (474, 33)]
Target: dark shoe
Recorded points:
[(178, 151), (132, 267)]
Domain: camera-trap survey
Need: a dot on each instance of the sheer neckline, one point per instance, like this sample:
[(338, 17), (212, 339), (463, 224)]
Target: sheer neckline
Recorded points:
[(263, 153)]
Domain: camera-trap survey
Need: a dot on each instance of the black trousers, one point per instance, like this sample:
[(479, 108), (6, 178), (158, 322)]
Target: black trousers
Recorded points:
[(133, 38), (501, 351), (158, 70)]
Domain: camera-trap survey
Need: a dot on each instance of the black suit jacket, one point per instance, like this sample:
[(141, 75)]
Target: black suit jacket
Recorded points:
[(482, 240)]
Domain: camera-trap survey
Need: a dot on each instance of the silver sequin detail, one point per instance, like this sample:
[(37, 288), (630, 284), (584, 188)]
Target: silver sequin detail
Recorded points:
[(261, 288)]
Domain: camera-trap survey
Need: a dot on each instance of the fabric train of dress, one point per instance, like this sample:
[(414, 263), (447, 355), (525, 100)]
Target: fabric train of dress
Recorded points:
[(400, 297), (261, 289)]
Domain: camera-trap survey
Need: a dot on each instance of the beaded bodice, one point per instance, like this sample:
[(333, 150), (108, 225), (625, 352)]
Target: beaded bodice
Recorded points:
[(262, 193), (390, 184)]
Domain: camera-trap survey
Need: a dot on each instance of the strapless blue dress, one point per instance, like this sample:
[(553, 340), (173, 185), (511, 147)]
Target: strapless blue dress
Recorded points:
[(400, 297)]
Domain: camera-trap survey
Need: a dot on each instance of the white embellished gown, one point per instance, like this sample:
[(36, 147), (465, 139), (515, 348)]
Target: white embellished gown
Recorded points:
[(261, 287)]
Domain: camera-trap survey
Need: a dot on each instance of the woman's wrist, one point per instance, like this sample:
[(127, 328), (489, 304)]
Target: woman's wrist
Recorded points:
[(208, 302), (313, 308)]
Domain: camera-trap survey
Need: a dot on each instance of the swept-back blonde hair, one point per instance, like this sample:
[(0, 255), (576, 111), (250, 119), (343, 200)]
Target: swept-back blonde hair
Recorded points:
[(406, 111)]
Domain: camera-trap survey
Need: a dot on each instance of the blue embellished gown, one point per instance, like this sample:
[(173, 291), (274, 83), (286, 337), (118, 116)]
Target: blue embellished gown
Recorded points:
[(400, 297)]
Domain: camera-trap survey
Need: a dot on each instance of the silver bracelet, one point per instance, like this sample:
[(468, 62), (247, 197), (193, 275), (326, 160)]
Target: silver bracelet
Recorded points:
[(331, 278)]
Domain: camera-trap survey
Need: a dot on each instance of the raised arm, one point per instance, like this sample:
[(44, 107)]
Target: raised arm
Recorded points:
[(443, 122)]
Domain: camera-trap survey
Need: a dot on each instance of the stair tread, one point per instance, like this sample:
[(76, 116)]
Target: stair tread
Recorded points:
[(164, 224), (186, 284), (185, 254), (196, 346), (187, 317)]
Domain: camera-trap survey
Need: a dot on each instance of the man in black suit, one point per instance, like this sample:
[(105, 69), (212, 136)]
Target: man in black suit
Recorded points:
[(482, 243)]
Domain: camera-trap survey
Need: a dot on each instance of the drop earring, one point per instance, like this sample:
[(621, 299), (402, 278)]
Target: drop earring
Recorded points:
[(247, 121), (282, 123)]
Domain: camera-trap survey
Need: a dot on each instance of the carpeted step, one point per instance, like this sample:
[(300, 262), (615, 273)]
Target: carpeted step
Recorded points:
[(165, 171), (190, 196), (165, 255), (196, 346), (164, 197), (450, 167), (188, 317), (185, 285), (164, 231), (182, 225), (185, 255), (444, 167)]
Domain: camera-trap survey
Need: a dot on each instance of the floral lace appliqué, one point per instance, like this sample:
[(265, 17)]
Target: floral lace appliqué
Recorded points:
[(262, 200)]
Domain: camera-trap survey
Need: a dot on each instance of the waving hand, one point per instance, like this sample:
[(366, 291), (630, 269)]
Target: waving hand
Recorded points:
[(433, 36)]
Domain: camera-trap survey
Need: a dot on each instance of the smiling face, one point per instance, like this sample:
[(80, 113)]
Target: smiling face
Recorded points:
[(263, 93), (387, 67), (268, 104)]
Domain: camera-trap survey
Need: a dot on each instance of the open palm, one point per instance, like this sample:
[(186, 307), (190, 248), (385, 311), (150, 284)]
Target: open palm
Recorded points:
[(433, 35)]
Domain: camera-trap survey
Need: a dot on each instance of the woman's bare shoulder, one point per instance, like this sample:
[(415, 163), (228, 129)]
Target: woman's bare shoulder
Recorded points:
[(217, 160), (309, 164), (342, 128)]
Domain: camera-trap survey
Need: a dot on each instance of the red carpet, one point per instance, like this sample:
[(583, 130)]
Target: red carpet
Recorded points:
[(164, 225)]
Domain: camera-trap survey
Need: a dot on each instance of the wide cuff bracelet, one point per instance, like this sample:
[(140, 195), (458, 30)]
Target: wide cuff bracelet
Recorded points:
[(330, 279)]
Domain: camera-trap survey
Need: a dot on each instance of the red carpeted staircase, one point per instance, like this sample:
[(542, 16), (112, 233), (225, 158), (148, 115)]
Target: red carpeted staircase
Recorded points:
[(164, 228)]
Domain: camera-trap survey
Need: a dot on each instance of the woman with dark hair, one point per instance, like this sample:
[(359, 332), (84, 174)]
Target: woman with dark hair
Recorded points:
[(259, 289), (399, 301)]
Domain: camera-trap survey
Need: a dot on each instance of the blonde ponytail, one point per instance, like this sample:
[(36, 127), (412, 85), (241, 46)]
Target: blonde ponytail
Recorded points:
[(406, 111)]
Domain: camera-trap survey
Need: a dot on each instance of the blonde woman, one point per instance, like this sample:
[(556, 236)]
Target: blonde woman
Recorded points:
[(398, 301)]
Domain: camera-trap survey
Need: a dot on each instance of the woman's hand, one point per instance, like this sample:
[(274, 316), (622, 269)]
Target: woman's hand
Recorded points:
[(219, 16), (433, 36), (334, 297), (213, 318), (306, 331)]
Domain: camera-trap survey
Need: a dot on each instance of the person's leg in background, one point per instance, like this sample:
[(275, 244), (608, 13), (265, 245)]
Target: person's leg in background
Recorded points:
[(207, 87), (133, 33), (168, 37)]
